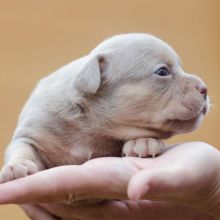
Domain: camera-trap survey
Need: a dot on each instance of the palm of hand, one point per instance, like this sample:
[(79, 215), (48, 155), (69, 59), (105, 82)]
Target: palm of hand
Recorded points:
[(186, 174)]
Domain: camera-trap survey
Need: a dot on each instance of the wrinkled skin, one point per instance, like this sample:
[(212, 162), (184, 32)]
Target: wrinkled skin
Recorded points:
[(182, 183)]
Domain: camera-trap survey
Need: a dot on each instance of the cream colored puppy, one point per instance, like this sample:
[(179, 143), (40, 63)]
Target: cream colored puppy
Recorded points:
[(123, 97)]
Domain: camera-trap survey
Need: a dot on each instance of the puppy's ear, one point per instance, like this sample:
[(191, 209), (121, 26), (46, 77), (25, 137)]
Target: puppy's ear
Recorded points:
[(88, 76)]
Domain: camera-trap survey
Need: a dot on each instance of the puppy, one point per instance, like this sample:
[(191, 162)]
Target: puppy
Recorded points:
[(121, 98)]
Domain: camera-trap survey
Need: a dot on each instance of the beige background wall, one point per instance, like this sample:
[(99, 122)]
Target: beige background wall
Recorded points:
[(37, 36)]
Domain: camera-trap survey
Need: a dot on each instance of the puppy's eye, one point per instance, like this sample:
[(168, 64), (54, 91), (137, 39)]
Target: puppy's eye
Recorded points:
[(163, 71)]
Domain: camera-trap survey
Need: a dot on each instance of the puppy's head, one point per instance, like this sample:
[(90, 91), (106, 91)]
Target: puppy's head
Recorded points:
[(137, 88)]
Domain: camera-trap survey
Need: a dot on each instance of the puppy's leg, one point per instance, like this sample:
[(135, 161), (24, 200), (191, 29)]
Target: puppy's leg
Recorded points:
[(143, 147), (21, 160)]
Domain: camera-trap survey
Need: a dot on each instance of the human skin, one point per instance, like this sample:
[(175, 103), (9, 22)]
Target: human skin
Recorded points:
[(182, 183)]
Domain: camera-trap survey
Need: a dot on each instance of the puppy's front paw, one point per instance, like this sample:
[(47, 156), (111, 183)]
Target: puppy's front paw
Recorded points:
[(17, 170), (143, 147)]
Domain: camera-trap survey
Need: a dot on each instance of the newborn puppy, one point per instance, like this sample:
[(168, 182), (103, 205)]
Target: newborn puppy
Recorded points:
[(121, 98)]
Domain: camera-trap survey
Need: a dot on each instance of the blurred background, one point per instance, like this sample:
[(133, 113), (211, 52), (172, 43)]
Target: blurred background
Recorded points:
[(36, 37)]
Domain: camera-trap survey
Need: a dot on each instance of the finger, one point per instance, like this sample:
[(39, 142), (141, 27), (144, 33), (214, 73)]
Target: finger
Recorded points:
[(171, 183), (34, 187), (35, 212), (130, 210), (104, 178), (108, 211)]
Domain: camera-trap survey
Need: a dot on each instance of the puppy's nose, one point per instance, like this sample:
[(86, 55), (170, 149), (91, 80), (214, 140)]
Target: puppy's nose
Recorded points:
[(203, 90)]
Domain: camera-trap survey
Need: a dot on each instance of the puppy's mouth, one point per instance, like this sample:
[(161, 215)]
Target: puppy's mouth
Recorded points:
[(205, 109), (190, 124), (162, 130), (202, 112)]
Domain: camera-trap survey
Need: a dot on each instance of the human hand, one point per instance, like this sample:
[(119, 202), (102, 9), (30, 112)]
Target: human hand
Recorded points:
[(117, 210), (187, 174)]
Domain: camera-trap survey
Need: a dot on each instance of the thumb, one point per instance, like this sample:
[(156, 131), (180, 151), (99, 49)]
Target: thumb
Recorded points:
[(170, 183)]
